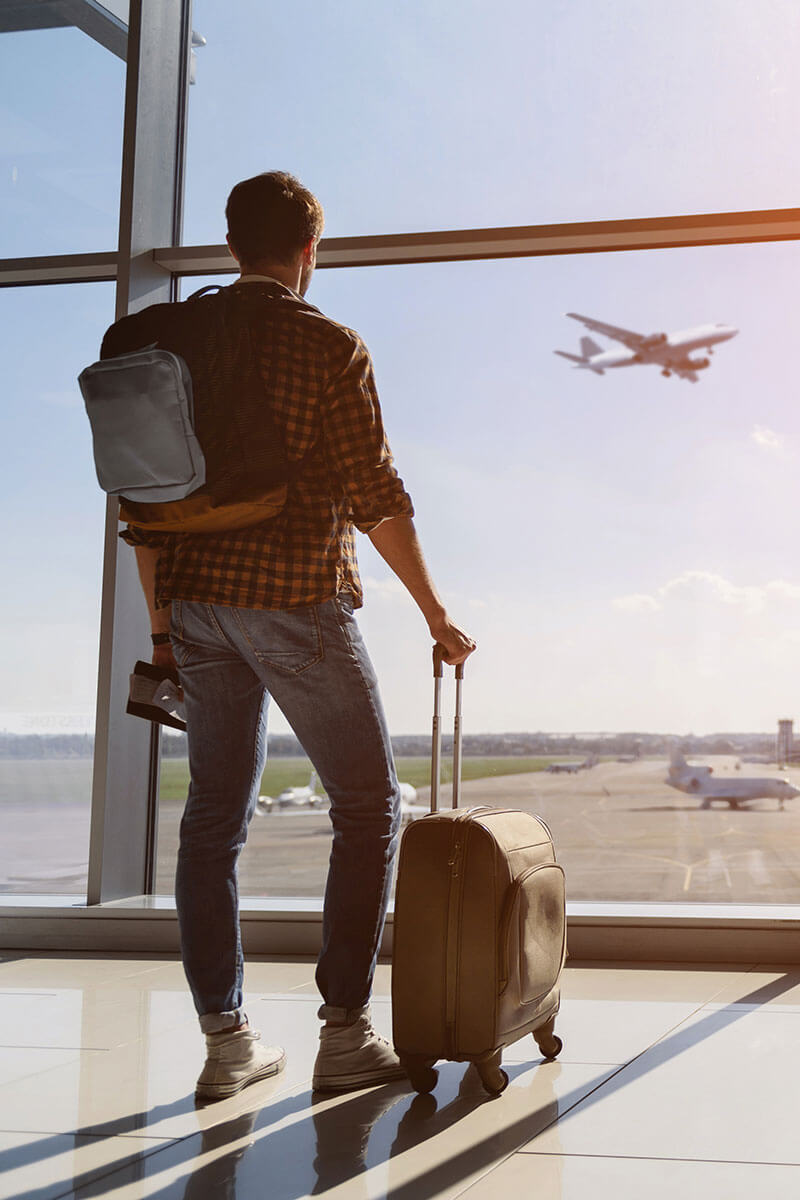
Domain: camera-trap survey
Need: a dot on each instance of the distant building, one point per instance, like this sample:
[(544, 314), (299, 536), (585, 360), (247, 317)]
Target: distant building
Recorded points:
[(785, 746)]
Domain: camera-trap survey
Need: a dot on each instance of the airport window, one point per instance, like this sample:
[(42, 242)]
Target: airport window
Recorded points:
[(52, 549), (616, 543), (619, 541), (61, 92), (443, 116)]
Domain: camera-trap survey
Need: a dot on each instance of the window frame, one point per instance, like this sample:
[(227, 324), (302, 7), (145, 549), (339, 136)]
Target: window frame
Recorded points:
[(120, 913)]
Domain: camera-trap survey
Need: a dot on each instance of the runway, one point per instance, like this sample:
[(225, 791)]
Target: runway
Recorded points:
[(621, 833)]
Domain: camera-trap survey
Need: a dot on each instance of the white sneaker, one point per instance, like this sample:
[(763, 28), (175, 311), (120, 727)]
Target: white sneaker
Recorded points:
[(235, 1060), (353, 1056)]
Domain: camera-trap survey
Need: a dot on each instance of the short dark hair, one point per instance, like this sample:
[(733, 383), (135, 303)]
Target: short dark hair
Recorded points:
[(272, 216)]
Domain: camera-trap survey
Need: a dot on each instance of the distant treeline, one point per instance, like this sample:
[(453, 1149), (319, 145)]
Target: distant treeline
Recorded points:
[(69, 745), (46, 745)]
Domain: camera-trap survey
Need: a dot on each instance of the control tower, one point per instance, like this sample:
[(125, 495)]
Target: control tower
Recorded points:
[(785, 743)]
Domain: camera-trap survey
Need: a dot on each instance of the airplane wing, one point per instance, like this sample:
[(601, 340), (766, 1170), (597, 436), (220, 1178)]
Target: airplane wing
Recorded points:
[(628, 338), (411, 812)]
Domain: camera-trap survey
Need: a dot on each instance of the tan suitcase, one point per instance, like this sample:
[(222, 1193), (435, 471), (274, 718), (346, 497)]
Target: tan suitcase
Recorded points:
[(479, 931)]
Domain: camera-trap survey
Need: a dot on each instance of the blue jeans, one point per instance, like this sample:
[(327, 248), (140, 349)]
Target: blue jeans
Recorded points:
[(314, 663)]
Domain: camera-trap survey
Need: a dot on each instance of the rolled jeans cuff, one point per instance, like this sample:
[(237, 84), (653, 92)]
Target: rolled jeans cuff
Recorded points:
[(219, 1022), (340, 1016)]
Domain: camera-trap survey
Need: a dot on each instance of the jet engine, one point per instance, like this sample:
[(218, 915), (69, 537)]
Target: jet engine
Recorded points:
[(698, 364)]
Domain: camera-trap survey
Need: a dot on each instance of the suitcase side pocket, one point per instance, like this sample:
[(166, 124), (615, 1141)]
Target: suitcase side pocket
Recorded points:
[(533, 934)]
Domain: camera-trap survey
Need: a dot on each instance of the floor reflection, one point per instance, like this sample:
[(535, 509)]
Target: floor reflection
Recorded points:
[(365, 1140), (217, 1178), (343, 1133)]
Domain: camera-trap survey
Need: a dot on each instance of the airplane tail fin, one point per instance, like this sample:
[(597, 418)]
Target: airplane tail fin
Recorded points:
[(677, 761), (588, 347), (582, 360)]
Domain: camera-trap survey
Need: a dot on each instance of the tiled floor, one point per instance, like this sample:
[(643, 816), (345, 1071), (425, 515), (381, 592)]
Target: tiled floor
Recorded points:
[(672, 1081)]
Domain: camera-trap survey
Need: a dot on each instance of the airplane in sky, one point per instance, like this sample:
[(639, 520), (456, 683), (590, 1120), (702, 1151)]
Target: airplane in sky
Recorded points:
[(697, 781), (670, 351)]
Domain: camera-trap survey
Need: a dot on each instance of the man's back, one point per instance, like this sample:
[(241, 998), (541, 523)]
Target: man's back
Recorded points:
[(257, 354)]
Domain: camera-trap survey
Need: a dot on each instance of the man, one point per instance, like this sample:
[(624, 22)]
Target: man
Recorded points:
[(268, 611)]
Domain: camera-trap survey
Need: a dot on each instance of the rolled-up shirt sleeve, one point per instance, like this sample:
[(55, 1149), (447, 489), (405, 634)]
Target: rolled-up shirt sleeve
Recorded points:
[(358, 450)]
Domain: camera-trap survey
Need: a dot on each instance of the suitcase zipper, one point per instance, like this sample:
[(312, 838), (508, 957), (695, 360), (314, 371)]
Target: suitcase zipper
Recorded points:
[(454, 904)]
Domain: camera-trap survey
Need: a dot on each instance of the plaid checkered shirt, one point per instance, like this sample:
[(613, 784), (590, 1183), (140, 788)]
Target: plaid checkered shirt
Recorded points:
[(318, 380)]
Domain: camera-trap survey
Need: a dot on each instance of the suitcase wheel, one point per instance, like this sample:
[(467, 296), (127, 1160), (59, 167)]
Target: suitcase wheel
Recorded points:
[(494, 1081), (493, 1077), (421, 1074), (548, 1042)]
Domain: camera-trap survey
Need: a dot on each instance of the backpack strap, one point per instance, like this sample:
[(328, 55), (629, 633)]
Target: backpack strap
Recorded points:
[(236, 366), (210, 287), (266, 456)]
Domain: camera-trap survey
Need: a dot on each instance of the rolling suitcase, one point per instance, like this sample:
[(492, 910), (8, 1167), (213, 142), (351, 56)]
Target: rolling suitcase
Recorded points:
[(479, 931)]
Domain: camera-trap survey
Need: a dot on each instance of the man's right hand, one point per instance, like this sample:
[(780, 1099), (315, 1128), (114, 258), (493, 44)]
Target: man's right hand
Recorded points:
[(396, 541), (457, 644)]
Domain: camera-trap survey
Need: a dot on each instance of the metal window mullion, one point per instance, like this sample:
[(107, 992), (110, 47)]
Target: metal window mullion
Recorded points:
[(122, 840), (453, 245), (59, 268), (587, 237)]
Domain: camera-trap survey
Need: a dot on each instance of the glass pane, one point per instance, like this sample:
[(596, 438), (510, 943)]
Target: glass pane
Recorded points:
[(428, 116), (61, 104), (288, 845), (51, 546), (619, 544)]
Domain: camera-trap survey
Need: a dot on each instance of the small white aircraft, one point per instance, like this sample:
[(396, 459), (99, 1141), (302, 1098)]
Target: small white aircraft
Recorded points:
[(293, 797), (572, 768), (409, 809), (309, 797), (697, 781), (670, 351)]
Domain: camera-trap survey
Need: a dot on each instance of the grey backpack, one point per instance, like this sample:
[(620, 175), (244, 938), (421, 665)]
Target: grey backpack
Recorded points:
[(141, 413), (146, 447)]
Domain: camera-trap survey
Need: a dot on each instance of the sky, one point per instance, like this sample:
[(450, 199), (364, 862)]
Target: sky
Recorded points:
[(621, 547)]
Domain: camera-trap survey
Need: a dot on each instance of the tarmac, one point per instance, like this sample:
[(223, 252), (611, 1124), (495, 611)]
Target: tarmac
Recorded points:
[(621, 834)]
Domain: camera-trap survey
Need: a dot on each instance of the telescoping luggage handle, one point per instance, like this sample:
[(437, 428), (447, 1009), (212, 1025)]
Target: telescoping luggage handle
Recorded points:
[(436, 749)]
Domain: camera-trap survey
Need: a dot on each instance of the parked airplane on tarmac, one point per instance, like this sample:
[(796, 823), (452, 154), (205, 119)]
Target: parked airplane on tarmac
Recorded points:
[(307, 797), (697, 781), (409, 808), (572, 768), (670, 351), (313, 797)]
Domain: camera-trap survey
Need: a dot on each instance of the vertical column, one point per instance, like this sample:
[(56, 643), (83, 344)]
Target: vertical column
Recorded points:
[(122, 845), (785, 743)]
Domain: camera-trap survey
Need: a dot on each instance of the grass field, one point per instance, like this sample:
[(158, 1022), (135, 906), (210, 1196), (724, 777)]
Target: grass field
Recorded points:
[(295, 772)]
